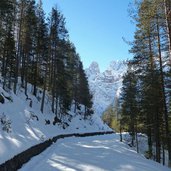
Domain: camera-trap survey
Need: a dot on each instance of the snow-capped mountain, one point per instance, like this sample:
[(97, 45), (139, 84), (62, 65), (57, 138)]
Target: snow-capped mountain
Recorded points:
[(105, 86)]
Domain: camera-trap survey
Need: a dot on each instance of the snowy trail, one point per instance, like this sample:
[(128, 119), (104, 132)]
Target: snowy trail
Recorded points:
[(98, 153)]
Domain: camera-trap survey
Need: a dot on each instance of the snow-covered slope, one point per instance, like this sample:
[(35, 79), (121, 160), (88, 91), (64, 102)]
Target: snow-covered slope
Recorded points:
[(105, 86), (22, 126), (99, 153)]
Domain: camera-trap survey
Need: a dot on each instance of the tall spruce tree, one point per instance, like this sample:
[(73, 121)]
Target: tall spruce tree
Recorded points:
[(39, 52), (149, 44), (129, 102)]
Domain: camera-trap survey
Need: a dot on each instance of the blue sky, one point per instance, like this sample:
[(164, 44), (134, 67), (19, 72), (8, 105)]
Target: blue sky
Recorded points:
[(96, 27)]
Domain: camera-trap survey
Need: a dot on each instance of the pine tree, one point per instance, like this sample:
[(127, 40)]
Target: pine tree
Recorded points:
[(150, 41), (83, 89), (58, 33), (129, 102), (28, 44), (39, 52), (167, 6), (7, 42)]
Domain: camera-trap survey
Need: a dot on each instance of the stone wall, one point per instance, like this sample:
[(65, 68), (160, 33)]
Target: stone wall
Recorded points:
[(17, 161)]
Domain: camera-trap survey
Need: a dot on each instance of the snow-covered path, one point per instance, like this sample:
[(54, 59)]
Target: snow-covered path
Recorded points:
[(98, 153)]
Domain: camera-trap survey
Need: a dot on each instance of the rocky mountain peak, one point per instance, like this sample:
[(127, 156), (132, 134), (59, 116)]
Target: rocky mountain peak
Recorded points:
[(105, 86), (94, 68)]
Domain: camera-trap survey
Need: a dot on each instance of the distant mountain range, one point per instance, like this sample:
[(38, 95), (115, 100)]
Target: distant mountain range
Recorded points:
[(105, 86)]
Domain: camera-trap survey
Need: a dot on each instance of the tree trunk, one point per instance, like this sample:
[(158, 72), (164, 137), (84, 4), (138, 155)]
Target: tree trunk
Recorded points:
[(43, 100), (163, 153), (120, 130), (56, 108), (167, 5), (167, 131), (44, 90), (157, 137), (18, 54), (150, 151), (136, 139)]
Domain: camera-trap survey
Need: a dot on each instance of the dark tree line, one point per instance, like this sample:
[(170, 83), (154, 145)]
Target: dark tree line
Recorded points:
[(146, 95), (37, 50)]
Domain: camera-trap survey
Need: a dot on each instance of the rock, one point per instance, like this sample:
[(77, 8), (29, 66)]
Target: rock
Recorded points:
[(2, 100), (105, 86)]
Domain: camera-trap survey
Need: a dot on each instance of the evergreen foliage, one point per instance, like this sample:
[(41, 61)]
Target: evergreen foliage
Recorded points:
[(38, 51), (145, 99)]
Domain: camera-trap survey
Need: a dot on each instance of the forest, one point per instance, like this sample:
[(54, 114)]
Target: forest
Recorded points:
[(35, 48), (145, 102)]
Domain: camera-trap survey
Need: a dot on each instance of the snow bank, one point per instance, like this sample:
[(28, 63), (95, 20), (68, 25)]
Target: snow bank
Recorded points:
[(27, 124)]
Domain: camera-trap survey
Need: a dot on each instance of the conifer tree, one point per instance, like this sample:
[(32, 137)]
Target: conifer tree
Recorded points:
[(39, 52), (150, 41), (129, 102)]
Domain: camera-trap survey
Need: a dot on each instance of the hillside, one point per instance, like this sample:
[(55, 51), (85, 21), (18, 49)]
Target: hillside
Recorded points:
[(22, 126)]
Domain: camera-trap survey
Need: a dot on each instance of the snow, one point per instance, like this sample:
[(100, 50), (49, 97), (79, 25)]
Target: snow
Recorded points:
[(98, 153), (27, 128), (105, 86), (27, 131), (143, 145)]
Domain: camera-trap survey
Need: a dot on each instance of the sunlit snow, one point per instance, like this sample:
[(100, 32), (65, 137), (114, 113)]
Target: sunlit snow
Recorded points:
[(99, 153)]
